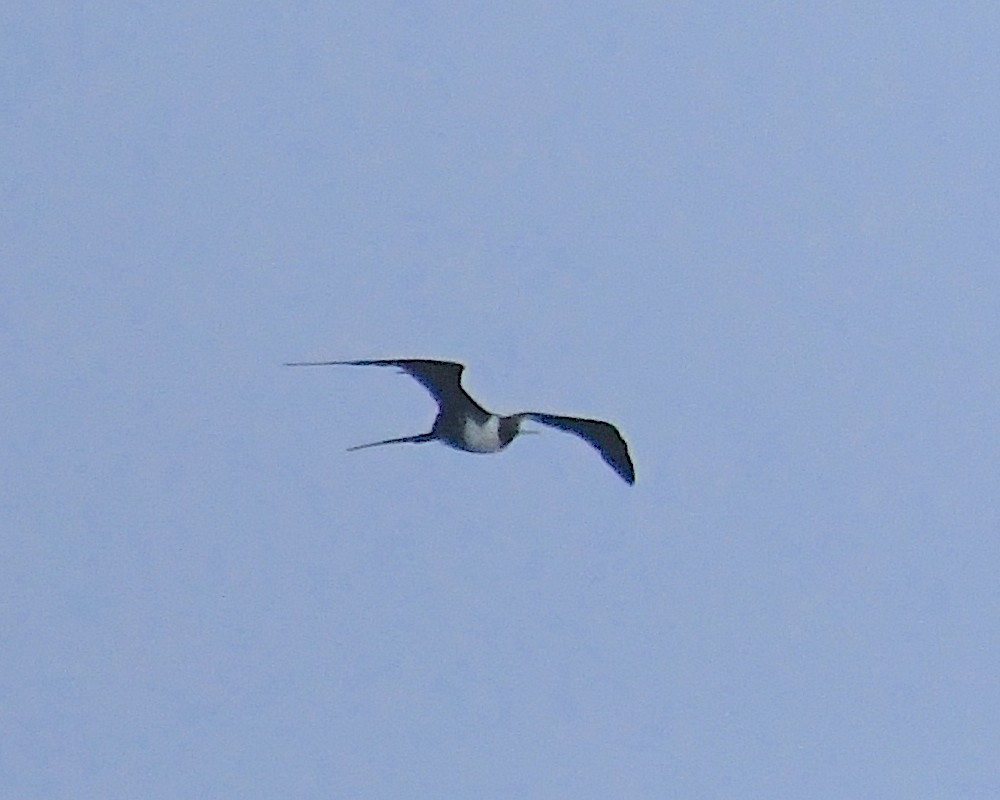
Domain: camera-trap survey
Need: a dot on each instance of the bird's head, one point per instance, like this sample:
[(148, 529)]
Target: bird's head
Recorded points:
[(513, 426)]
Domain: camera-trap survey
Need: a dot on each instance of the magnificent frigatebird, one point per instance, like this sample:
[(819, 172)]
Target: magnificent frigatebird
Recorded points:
[(465, 425)]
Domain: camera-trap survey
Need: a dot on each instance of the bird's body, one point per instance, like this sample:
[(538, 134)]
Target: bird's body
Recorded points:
[(473, 436), (465, 425)]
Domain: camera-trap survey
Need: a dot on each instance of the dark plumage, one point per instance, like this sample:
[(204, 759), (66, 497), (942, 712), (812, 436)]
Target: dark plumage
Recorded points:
[(464, 424)]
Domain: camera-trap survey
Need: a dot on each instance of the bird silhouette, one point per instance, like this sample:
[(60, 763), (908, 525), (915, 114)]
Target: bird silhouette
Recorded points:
[(465, 425)]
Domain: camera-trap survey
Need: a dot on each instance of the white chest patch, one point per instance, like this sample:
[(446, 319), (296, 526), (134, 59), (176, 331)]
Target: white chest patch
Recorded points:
[(483, 438)]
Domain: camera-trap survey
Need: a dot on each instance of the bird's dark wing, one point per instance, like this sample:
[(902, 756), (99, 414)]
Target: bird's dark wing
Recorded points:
[(602, 435), (441, 378)]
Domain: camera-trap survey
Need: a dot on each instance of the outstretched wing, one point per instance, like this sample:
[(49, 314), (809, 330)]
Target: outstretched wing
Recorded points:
[(603, 436), (443, 379)]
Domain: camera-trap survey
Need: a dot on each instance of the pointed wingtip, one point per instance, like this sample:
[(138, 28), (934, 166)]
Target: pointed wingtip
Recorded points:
[(624, 468), (316, 363)]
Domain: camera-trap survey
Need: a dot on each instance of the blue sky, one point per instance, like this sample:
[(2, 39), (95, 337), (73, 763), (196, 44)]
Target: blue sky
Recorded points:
[(762, 240)]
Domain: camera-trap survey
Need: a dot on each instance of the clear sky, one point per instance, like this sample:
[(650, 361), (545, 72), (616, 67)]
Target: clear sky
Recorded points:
[(761, 238)]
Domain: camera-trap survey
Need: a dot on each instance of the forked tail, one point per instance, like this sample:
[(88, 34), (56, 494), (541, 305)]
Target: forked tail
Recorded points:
[(423, 437)]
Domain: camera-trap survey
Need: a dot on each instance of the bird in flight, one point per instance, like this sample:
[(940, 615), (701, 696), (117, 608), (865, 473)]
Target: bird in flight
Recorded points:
[(465, 425)]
